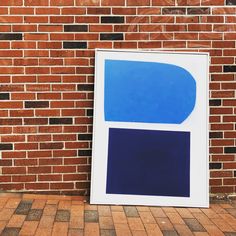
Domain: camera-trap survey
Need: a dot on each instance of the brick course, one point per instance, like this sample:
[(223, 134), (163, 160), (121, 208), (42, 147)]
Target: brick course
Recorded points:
[(46, 81)]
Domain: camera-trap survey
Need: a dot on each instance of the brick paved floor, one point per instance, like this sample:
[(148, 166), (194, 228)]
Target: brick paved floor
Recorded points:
[(41, 215)]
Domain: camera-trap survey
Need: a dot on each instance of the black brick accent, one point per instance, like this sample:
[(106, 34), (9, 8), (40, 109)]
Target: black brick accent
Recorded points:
[(230, 149), (215, 166), (112, 19), (6, 146), (85, 137), (174, 11), (10, 36), (13, 231), (75, 28), (4, 96), (113, 36), (35, 104), (216, 135), (23, 208), (89, 112), (62, 216), (54, 121), (85, 153), (229, 68), (198, 11), (34, 215), (74, 45), (91, 216), (215, 102), (85, 87), (230, 2), (235, 173), (36, 121)]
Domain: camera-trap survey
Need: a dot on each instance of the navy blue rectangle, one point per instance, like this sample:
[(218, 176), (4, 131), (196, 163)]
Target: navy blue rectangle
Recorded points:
[(148, 162)]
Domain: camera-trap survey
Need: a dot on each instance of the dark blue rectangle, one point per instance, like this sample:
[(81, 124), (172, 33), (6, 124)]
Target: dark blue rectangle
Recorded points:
[(148, 162)]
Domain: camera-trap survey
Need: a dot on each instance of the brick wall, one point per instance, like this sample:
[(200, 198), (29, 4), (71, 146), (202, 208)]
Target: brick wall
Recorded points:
[(46, 81)]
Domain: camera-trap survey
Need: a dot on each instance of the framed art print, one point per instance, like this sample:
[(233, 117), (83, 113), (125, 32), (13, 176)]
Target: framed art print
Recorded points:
[(150, 134)]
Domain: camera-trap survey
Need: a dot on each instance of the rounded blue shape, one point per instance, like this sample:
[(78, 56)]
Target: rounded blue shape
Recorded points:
[(147, 92)]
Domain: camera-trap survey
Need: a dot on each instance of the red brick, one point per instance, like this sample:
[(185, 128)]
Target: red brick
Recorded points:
[(61, 2), (39, 170), (21, 11), (35, 19), (73, 11), (14, 154), (25, 146), (11, 19), (37, 154), (47, 11), (24, 178), (61, 185), (36, 2), (64, 153), (61, 19), (13, 138), (14, 170), (138, 3), (51, 161), (64, 169), (50, 177), (24, 28), (37, 186)]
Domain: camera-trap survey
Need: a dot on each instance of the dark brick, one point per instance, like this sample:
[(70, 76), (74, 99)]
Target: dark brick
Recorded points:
[(89, 112), (11, 121), (112, 19), (169, 233), (91, 216), (5, 162), (53, 121), (34, 215), (229, 68), (23, 208), (107, 232), (85, 87), (112, 36), (98, 11), (213, 166), (51, 145), (194, 225), (230, 233), (85, 137), (216, 135), (36, 104), (10, 231), (62, 216), (230, 2), (131, 211), (75, 28), (230, 149), (235, 173), (215, 102), (74, 45), (10, 36), (198, 11), (36, 121), (85, 153), (174, 11), (6, 146), (4, 96)]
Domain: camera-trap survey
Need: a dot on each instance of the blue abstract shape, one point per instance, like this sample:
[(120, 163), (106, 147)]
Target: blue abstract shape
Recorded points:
[(147, 92), (141, 162)]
